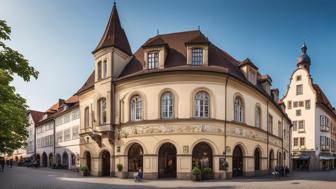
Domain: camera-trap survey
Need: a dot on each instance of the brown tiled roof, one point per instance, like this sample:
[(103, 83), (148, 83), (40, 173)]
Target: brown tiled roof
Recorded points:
[(114, 35), (247, 61), (323, 100), (155, 41), (36, 115), (88, 84), (73, 99), (199, 39), (53, 108), (177, 53)]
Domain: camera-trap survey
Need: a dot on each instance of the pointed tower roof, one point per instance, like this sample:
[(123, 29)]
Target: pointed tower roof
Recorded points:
[(304, 59), (114, 35)]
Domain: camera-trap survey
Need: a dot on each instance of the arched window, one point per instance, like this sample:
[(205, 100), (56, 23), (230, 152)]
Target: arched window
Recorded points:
[(136, 108), (202, 101), (102, 111), (167, 105), (258, 116), (257, 159), (105, 69), (238, 109), (197, 56), (99, 73), (135, 158), (86, 117)]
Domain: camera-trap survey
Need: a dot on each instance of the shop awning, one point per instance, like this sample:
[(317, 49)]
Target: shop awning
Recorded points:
[(301, 157), (327, 158)]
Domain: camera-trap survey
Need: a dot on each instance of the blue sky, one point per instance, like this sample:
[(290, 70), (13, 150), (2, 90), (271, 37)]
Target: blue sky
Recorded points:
[(57, 37)]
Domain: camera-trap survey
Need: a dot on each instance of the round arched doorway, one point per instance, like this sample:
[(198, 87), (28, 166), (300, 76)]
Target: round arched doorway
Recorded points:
[(135, 158), (51, 159), (38, 159), (270, 160), (257, 159), (44, 159), (167, 161), (237, 162), (65, 160), (88, 161), (202, 158), (105, 158)]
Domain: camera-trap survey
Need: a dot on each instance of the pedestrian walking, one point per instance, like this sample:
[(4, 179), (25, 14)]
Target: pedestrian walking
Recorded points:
[(11, 163)]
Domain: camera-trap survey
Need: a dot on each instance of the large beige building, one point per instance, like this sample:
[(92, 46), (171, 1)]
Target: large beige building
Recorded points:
[(314, 120), (178, 102)]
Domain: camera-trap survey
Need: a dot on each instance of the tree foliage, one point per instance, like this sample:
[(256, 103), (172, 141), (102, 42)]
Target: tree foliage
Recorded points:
[(13, 108)]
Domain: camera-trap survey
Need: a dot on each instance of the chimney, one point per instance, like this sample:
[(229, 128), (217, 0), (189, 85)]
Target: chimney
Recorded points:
[(275, 94)]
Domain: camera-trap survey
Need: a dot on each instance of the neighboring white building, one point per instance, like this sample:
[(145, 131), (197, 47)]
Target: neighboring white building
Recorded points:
[(67, 134), (314, 120), (45, 137)]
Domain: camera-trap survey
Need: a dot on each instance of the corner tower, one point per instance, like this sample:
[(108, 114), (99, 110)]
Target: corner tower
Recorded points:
[(113, 51)]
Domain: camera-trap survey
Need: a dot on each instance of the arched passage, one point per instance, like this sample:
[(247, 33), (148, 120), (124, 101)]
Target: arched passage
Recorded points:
[(257, 159), (270, 159), (58, 160), (87, 157), (237, 162), (167, 161), (135, 158), (38, 159), (202, 156), (51, 159), (65, 160), (105, 159), (44, 159)]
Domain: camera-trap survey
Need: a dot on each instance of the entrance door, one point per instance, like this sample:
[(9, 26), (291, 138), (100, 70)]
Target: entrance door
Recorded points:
[(167, 161), (106, 163), (88, 161), (237, 162)]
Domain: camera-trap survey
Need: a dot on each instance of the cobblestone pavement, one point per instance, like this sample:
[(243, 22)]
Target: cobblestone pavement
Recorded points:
[(43, 178)]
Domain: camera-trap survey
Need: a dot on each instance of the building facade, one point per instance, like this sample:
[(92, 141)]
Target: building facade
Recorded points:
[(177, 103), (67, 134), (45, 146), (314, 120)]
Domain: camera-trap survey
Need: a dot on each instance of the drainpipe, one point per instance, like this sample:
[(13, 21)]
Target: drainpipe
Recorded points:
[(112, 113), (54, 130), (225, 116), (282, 147), (267, 129)]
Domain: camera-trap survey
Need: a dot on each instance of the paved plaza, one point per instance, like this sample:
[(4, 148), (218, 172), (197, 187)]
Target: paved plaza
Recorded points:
[(40, 178)]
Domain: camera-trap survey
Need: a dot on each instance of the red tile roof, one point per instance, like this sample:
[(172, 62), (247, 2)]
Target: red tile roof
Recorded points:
[(323, 100), (36, 115), (114, 35), (73, 99)]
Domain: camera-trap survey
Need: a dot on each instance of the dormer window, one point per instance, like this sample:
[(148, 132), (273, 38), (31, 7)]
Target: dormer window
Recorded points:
[(153, 60), (252, 76), (197, 56)]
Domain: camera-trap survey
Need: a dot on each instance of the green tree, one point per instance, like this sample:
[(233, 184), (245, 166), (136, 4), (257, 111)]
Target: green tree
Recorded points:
[(13, 108)]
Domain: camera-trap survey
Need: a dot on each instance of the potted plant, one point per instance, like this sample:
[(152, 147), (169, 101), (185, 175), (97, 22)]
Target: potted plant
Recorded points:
[(196, 172), (120, 173), (84, 170), (207, 173), (225, 166)]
